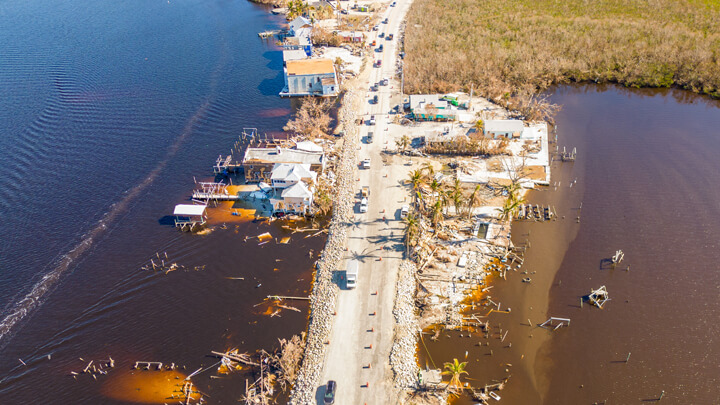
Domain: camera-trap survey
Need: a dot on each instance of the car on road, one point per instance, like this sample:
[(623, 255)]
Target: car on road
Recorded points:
[(385, 21), (330, 388), (382, 34), (378, 63), (366, 163), (364, 205), (380, 48), (404, 211), (384, 82), (369, 138), (389, 37), (371, 121), (375, 28), (375, 99), (373, 43), (392, 4)]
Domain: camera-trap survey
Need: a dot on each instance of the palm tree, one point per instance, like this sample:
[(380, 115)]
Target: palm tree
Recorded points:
[(435, 187), (403, 143), (416, 179), (436, 214), (412, 228), (510, 207), (455, 370), (430, 169), (474, 200), (456, 194)]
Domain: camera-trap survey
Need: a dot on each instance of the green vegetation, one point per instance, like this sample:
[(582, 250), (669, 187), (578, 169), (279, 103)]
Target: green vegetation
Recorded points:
[(510, 50), (455, 370)]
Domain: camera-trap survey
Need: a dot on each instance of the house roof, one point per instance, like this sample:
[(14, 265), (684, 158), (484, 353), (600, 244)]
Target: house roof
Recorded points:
[(504, 126), (299, 22), (271, 155), (297, 190), (416, 99), (308, 146), (310, 67), (294, 54), (189, 210), (292, 172)]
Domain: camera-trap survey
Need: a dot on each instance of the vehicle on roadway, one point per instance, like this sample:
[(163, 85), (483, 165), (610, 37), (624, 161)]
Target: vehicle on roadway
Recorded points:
[(375, 99), (382, 34), (380, 48), (330, 388), (384, 82), (371, 121), (385, 21), (369, 137), (364, 205), (366, 163), (373, 43), (378, 63), (392, 4), (389, 37), (404, 211)]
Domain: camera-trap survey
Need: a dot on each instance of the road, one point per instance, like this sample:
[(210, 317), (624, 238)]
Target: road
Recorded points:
[(362, 333)]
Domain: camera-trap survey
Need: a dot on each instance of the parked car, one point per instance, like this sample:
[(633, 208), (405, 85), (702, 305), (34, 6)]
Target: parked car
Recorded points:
[(366, 163), (378, 63), (392, 4), (380, 48), (363, 208), (375, 99), (372, 120), (384, 82), (404, 211), (375, 28), (369, 138), (373, 43), (385, 21), (389, 37), (330, 389), (381, 35)]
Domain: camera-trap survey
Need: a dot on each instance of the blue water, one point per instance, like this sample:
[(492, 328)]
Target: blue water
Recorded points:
[(108, 111)]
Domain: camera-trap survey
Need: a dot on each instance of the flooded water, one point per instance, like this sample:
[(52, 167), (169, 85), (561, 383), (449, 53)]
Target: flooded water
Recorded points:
[(108, 112), (647, 163)]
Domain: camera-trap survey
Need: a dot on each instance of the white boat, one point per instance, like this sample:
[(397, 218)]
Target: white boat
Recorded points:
[(494, 396)]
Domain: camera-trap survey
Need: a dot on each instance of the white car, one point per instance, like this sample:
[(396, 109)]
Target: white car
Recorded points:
[(404, 211), (364, 205), (366, 163)]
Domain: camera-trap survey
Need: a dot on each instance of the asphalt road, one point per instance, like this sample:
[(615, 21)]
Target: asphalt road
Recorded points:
[(358, 356)]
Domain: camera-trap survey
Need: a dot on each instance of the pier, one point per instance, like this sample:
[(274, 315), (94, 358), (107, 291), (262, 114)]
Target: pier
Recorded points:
[(212, 191)]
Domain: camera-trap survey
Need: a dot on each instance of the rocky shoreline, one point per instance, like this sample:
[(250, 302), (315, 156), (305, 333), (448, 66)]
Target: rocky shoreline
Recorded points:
[(402, 355), (324, 294)]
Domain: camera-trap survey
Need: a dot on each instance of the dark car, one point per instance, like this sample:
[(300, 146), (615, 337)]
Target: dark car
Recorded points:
[(385, 21), (330, 388), (389, 37), (382, 34), (380, 48), (375, 99)]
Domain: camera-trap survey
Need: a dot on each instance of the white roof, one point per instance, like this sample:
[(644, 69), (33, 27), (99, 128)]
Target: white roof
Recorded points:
[(294, 54), (308, 146), (290, 172), (298, 23), (189, 210), (504, 126), (297, 190), (416, 99)]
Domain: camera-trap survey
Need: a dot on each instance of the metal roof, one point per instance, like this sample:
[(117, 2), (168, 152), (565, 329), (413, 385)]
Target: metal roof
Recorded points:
[(271, 155), (504, 126), (189, 210)]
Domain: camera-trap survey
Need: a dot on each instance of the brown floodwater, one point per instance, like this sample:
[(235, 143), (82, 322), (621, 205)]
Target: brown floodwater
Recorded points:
[(646, 169)]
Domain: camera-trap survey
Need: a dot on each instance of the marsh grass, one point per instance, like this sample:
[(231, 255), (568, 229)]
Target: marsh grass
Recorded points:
[(510, 50)]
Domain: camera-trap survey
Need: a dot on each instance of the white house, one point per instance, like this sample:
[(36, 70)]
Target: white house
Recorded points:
[(296, 199), (297, 25), (310, 77), (503, 128), (285, 175)]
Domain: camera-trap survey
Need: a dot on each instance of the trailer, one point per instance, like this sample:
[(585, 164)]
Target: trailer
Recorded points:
[(351, 273)]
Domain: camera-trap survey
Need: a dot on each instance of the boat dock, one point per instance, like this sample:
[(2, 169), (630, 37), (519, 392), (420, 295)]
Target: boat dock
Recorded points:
[(211, 191)]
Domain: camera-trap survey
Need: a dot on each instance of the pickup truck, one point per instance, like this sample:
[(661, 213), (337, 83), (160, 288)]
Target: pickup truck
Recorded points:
[(366, 163), (365, 191), (364, 205)]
